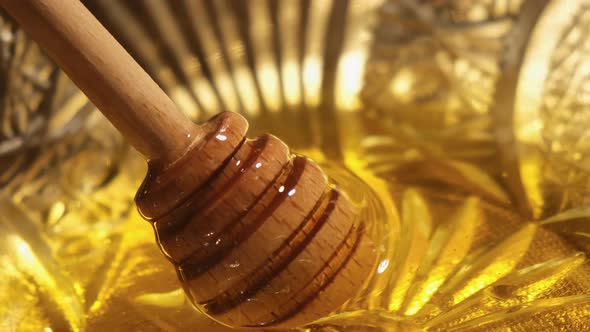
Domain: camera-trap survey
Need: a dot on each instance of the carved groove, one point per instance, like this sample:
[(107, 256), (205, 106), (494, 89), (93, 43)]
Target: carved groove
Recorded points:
[(179, 222), (167, 187), (279, 260), (238, 232), (351, 242)]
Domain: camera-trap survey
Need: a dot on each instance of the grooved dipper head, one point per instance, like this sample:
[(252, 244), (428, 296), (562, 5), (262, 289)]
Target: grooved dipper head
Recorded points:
[(258, 236)]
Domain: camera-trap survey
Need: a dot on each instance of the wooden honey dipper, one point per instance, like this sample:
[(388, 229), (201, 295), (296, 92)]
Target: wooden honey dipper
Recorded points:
[(258, 236)]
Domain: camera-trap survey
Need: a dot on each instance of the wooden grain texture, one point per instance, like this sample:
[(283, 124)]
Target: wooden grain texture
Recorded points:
[(258, 236)]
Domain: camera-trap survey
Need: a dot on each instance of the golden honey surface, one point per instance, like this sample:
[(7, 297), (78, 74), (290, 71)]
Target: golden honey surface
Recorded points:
[(459, 128)]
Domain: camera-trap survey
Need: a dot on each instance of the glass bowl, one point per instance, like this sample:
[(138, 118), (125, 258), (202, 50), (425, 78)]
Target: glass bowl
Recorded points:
[(458, 126)]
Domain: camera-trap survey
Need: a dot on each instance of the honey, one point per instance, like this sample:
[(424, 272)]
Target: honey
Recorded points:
[(453, 254)]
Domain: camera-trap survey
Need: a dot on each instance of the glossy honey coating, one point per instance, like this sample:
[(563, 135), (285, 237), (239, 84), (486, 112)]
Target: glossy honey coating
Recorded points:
[(258, 236)]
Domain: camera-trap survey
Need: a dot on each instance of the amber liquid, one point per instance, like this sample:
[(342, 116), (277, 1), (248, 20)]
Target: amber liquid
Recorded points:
[(454, 250), (474, 232)]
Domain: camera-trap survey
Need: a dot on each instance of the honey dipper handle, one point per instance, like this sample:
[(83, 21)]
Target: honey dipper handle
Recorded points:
[(107, 74)]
